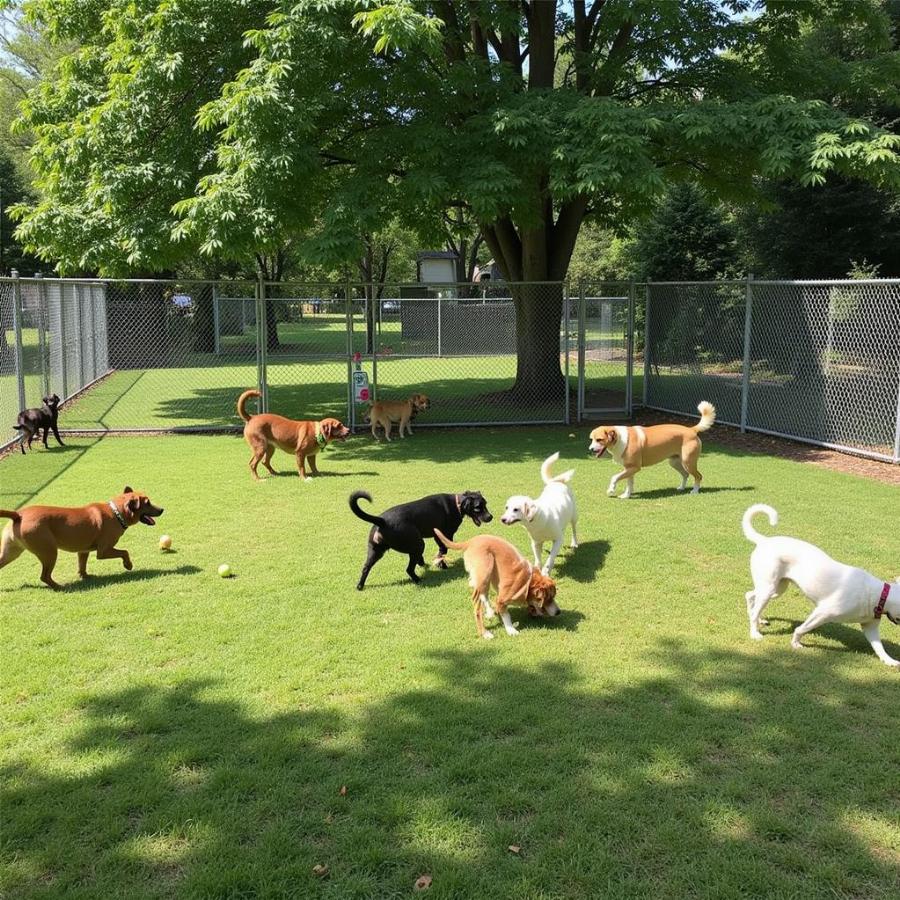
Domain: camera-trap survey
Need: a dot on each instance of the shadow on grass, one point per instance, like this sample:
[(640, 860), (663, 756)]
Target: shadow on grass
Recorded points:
[(716, 769), (47, 466), (98, 579), (850, 638), (583, 563), (670, 492)]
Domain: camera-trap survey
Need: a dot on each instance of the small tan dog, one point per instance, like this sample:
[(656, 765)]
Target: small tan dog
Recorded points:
[(45, 530), (635, 447), (493, 562), (385, 412), (304, 438)]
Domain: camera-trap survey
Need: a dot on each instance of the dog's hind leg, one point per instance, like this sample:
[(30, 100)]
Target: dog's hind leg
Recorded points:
[(488, 609), (690, 463), (376, 551), (761, 594), (267, 459), (819, 616), (678, 466), (574, 542), (10, 548), (871, 631), (55, 428)]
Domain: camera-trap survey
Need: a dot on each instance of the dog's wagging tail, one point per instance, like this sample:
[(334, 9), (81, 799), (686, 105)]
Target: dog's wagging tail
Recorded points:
[(747, 522), (355, 497), (242, 404)]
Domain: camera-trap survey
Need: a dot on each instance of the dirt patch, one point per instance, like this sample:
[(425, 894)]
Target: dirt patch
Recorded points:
[(751, 442)]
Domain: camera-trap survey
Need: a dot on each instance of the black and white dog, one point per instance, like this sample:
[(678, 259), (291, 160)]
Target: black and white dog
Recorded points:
[(404, 528), (31, 421)]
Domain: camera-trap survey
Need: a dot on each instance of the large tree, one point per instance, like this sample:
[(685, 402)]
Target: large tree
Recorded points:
[(175, 128)]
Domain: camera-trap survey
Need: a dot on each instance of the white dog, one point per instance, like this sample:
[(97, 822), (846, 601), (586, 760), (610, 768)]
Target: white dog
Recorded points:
[(546, 518), (840, 593)]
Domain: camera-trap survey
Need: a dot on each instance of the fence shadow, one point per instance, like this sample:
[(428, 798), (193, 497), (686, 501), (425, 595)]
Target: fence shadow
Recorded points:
[(717, 767)]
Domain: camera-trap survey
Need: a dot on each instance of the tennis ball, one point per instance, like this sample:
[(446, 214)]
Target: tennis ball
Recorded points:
[(165, 542), (225, 570)]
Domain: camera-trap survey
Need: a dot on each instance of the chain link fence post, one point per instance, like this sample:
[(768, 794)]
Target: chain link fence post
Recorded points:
[(646, 385), (217, 328), (565, 290), (375, 311), (581, 349), (629, 351), (262, 344), (17, 337), (351, 400), (43, 343), (745, 371), (897, 427)]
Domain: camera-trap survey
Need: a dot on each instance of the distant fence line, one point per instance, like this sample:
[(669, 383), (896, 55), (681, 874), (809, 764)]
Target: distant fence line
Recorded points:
[(815, 361)]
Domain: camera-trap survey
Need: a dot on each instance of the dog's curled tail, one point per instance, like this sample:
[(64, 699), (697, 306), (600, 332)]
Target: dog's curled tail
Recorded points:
[(747, 522), (355, 497), (455, 545), (707, 416), (545, 471), (10, 514), (242, 403)]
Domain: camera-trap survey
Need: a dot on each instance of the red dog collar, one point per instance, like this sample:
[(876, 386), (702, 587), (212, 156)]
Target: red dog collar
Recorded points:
[(879, 608)]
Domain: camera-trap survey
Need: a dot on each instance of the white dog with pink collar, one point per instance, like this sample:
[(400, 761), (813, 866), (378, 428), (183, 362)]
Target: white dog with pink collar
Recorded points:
[(840, 593)]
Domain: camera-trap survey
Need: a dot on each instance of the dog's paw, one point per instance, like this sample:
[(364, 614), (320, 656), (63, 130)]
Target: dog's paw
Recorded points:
[(128, 564), (488, 635), (625, 497), (611, 492), (545, 571), (695, 489), (441, 563), (755, 636), (680, 487), (797, 645), (893, 663)]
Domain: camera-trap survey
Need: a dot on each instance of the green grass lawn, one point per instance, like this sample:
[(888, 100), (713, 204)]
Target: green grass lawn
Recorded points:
[(166, 733)]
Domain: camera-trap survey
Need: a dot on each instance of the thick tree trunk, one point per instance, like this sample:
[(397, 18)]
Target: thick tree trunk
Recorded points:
[(538, 315)]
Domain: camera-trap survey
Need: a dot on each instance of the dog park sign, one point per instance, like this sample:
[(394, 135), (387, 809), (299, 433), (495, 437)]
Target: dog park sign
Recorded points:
[(360, 381)]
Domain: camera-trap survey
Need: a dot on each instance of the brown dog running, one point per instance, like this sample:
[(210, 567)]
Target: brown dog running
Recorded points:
[(635, 447), (303, 438), (493, 562), (386, 412), (45, 530)]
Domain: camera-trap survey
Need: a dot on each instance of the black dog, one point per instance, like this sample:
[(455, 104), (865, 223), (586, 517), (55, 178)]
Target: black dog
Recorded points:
[(31, 421), (404, 527)]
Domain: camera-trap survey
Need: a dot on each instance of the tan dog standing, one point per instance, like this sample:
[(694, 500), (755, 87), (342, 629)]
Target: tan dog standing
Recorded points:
[(303, 438), (45, 530), (635, 447), (493, 562), (384, 412)]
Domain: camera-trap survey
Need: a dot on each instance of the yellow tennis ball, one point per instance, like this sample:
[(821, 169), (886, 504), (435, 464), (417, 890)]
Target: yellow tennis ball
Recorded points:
[(225, 570), (165, 542)]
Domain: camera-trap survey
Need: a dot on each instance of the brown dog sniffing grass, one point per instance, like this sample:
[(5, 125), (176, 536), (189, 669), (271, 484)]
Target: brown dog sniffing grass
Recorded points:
[(45, 530), (303, 438)]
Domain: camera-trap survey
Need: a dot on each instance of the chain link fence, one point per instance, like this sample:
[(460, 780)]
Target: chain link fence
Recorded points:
[(812, 361), (815, 361)]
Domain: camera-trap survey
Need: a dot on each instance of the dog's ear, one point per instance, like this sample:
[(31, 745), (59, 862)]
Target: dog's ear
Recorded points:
[(611, 436), (530, 510), (128, 490), (326, 429)]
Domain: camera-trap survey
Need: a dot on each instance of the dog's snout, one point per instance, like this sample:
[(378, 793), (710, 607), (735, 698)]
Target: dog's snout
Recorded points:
[(487, 517), (552, 609)]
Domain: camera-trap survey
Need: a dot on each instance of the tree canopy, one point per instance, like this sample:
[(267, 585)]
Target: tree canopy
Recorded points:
[(211, 127)]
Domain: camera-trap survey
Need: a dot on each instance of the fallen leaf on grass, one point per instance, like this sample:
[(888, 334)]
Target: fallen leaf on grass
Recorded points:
[(343, 790), (514, 848), (423, 882), (320, 871)]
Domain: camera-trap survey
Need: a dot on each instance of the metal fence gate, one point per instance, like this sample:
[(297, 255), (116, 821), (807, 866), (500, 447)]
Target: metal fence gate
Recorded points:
[(605, 349)]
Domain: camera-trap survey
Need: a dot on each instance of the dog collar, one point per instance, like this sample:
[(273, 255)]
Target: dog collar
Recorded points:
[(124, 524), (879, 607), (321, 440)]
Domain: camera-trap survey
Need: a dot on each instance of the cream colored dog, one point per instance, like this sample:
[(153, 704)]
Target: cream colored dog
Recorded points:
[(840, 593), (385, 412), (634, 447)]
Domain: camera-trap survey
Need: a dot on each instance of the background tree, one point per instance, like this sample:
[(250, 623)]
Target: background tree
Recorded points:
[(174, 129)]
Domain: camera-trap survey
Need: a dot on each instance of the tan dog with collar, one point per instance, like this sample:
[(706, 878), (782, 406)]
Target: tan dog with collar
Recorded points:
[(493, 562), (635, 447), (303, 438), (45, 530), (385, 412)]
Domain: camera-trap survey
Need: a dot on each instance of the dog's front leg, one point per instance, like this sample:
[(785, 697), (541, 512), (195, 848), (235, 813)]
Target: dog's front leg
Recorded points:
[(551, 559), (56, 434), (313, 466), (82, 564), (46, 435), (301, 466), (872, 633), (511, 629), (819, 616), (537, 548), (113, 553), (625, 473)]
